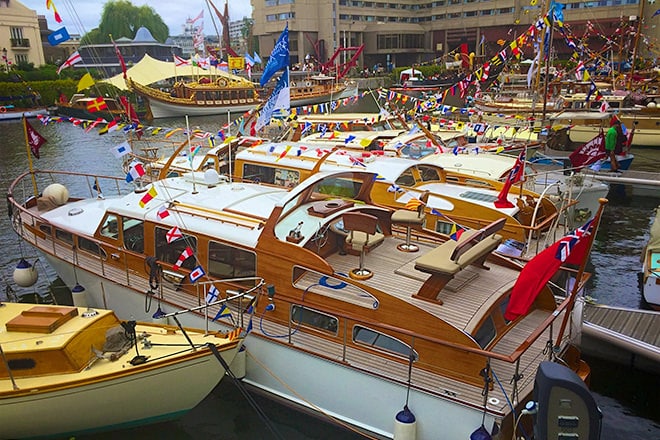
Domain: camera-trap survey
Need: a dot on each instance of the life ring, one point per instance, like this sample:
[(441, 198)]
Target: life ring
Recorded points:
[(222, 82), (308, 84), (323, 281), (3, 109)]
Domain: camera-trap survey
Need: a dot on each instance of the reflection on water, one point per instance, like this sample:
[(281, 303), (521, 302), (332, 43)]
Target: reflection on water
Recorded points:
[(224, 414)]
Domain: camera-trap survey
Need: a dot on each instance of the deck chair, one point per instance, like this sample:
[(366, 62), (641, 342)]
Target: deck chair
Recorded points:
[(408, 218), (362, 237)]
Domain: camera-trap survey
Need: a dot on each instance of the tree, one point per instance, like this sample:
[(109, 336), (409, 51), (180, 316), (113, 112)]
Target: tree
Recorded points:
[(120, 18)]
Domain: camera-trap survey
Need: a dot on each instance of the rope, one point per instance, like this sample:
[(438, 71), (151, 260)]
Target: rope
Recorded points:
[(513, 410)]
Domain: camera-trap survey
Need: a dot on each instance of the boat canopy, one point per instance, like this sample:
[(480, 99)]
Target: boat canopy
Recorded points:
[(654, 239), (150, 70)]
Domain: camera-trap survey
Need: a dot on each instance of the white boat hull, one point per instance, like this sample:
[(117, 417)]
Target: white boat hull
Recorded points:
[(164, 393), (271, 368)]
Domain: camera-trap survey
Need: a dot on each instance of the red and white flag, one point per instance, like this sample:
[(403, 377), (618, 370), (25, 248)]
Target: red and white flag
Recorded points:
[(178, 61), (162, 213), (73, 59), (173, 234), (187, 253)]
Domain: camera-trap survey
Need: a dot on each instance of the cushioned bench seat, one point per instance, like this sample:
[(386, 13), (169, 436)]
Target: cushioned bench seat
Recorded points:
[(446, 260)]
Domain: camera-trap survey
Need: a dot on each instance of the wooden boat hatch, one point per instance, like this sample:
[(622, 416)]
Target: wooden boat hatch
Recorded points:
[(41, 319), (452, 256), (326, 207)]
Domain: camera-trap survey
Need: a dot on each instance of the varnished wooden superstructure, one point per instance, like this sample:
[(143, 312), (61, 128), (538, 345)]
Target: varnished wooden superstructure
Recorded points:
[(320, 329), (82, 370)]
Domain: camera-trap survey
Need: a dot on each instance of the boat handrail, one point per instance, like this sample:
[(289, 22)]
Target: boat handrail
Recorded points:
[(223, 216)]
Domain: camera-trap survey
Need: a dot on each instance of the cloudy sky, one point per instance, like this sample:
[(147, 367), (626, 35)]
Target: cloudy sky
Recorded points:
[(80, 16)]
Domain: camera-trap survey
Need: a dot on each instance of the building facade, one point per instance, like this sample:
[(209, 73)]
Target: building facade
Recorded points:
[(20, 38), (410, 32)]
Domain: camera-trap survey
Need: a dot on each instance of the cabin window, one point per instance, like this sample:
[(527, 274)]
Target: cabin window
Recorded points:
[(258, 173), (110, 228), (90, 246), (406, 179), (486, 333), (503, 305), (381, 341), (231, 262), (428, 173), (46, 230), (64, 236), (337, 186), (133, 234), (170, 252), (21, 364), (312, 318), (443, 227)]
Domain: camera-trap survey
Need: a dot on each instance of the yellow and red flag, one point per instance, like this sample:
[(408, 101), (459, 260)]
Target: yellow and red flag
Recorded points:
[(97, 104)]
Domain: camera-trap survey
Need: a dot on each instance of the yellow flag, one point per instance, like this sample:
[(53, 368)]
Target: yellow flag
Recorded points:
[(85, 82)]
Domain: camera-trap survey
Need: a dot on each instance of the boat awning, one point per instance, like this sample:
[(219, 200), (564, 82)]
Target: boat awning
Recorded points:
[(150, 70), (654, 239), (595, 115)]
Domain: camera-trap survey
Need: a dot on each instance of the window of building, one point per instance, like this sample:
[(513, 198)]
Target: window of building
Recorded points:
[(231, 262), (170, 252), (381, 341), (22, 58), (315, 319), (16, 33)]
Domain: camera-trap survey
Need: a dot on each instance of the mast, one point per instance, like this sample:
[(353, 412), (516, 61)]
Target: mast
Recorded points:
[(636, 44)]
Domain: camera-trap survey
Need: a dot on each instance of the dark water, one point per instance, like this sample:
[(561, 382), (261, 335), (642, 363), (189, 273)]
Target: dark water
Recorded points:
[(630, 401)]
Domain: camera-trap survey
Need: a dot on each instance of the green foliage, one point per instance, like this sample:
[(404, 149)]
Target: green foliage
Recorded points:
[(120, 18), (47, 91)]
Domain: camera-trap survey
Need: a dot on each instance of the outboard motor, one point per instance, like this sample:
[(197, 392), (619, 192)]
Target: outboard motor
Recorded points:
[(566, 409)]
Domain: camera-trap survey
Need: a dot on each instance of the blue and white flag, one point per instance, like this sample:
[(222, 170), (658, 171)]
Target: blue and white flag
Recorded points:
[(280, 99), (121, 150), (196, 274), (279, 57), (59, 36), (256, 58), (249, 60), (212, 295)]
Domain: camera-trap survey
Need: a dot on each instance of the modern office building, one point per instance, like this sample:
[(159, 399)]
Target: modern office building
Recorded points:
[(20, 38), (409, 32)]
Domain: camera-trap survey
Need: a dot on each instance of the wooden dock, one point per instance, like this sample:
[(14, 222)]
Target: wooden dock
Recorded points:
[(627, 336), (638, 183)]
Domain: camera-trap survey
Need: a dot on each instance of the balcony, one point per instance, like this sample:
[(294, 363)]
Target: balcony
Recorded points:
[(20, 43)]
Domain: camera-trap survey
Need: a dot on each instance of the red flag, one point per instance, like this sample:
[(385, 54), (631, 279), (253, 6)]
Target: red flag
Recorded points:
[(129, 109), (465, 59), (122, 63), (97, 104), (589, 152), (515, 175), (571, 249), (34, 139)]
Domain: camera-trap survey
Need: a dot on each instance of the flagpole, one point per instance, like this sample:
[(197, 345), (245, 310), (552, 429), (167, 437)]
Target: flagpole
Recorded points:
[(580, 273), (27, 148), (192, 168)]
